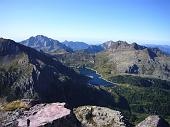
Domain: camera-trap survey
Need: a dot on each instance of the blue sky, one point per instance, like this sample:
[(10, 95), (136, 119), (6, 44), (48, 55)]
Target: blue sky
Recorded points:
[(93, 21)]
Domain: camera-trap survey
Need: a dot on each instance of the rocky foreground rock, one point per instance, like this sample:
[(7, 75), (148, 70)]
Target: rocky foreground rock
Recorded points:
[(54, 114), (42, 115), (93, 116), (153, 121), (57, 115)]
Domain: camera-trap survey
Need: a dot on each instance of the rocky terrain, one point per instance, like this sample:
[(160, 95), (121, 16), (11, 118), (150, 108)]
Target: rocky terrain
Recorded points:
[(112, 58), (41, 115), (30, 74), (54, 114), (58, 115), (27, 73), (93, 116), (123, 58)]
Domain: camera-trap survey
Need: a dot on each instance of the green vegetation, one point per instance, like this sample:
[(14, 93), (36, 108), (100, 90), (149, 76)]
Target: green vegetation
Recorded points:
[(141, 81), (11, 73), (76, 59), (102, 66), (145, 96), (14, 105)]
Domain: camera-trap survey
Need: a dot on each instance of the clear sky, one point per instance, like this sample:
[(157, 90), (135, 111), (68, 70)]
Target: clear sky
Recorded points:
[(92, 21)]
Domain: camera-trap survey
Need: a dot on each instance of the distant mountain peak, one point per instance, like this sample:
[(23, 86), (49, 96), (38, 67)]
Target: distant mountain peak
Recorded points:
[(163, 48), (122, 45), (76, 45), (41, 42)]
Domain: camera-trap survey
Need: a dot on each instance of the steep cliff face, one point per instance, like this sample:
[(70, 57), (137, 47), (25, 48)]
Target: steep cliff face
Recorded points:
[(26, 72), (123, 58)]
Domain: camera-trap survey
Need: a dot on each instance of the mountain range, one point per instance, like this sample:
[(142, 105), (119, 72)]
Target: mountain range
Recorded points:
[(164, 48), (123, 58), (43, 43), (76, 45), (47, 70), (28, 73), (46, 44)]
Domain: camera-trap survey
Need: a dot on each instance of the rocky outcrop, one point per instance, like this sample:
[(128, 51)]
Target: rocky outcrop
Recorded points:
[(48, 115), (42, 115), (153, 121), (57, 115), (93, 116)]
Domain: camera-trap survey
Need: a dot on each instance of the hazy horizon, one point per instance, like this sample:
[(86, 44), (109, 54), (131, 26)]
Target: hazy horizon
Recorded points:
[(88, 21)]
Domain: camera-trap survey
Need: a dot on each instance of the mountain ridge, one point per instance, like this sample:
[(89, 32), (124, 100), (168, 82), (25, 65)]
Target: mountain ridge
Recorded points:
[(76, 45), (41, 42), (27, 73)]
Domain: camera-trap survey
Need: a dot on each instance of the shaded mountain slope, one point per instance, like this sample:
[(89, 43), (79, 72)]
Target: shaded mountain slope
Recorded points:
[(27, 73)]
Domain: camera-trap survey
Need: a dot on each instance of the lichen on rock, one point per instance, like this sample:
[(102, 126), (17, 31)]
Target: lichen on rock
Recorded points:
[(93, 116)]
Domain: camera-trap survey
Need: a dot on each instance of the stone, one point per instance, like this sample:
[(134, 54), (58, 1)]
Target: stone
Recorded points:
[(153, 121), (44, 115), (93, 116)]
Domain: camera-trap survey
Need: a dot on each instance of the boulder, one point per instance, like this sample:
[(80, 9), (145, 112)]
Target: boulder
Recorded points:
[(40, 115), (93, 116), (48, 115), (153, 121)]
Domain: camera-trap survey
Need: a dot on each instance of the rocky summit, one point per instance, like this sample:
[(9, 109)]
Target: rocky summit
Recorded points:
[(93, 116)]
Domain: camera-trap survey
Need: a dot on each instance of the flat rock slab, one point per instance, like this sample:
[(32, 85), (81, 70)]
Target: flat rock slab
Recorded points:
[(153, 121), (46, 114)]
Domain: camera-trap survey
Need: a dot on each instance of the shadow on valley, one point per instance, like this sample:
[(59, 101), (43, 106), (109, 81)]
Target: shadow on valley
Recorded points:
[(32, 74)]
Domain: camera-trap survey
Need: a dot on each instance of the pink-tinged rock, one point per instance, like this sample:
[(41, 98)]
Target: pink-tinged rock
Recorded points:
[(153, 121), (45, 115)]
